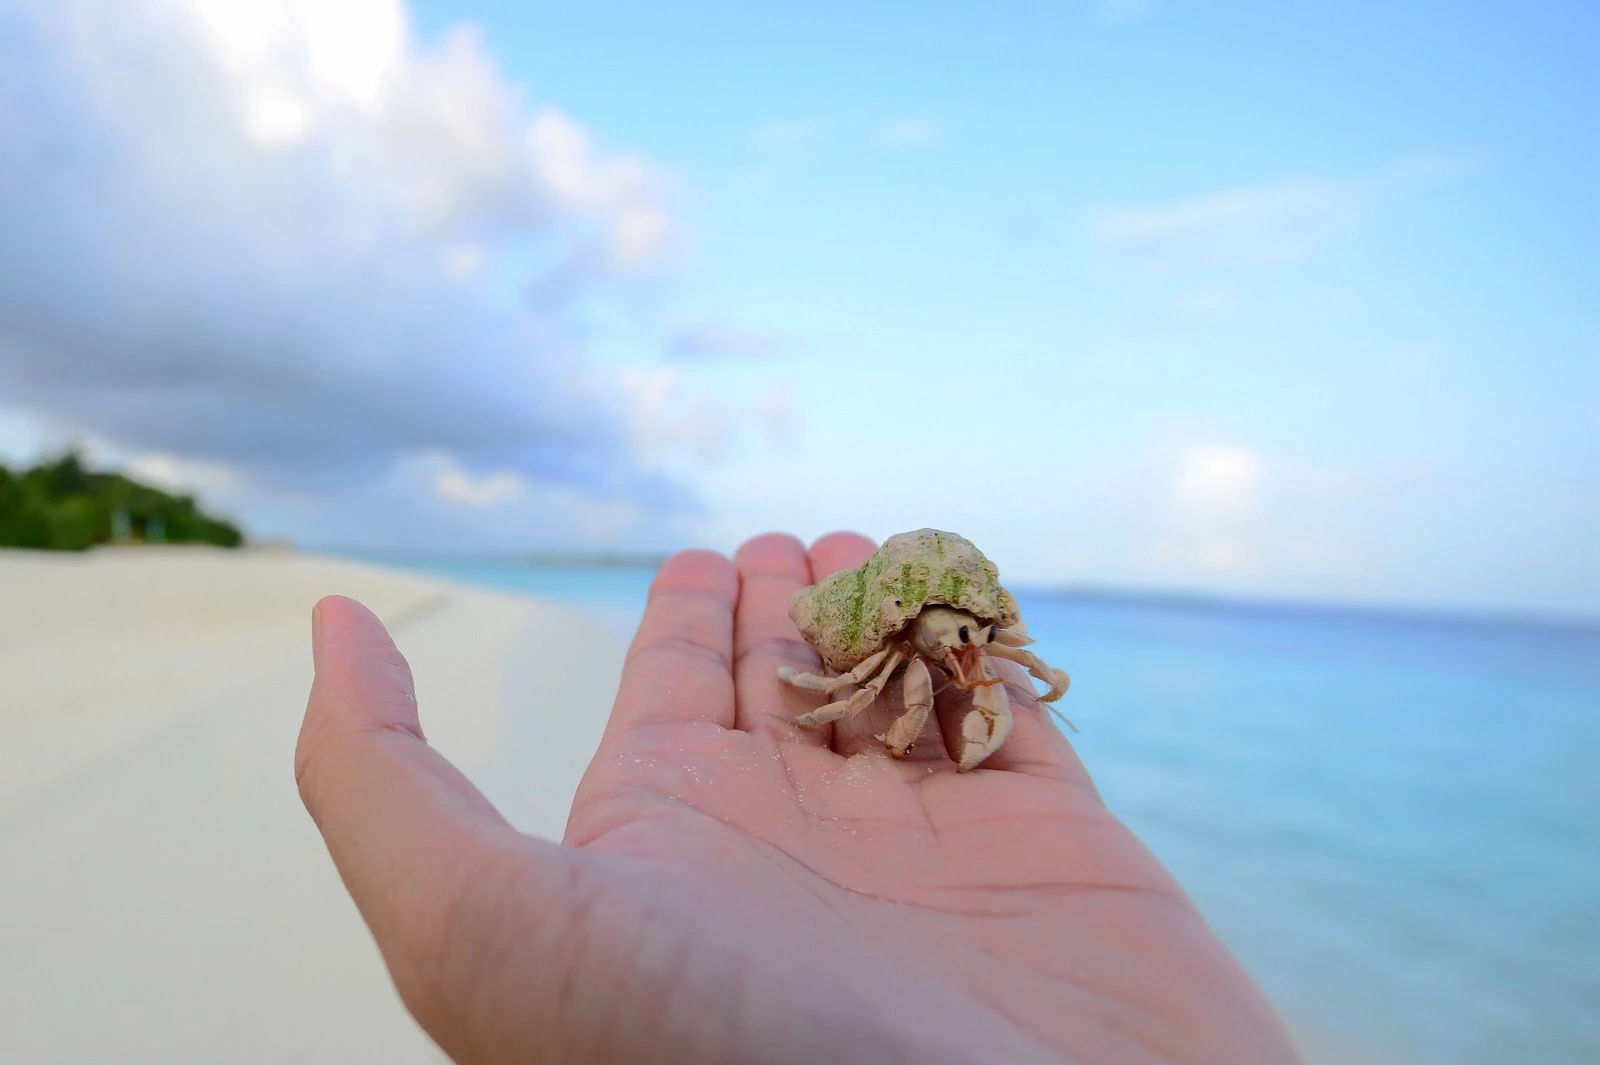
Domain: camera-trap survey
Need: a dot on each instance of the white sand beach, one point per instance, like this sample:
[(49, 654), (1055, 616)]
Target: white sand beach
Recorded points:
[(165, 896)]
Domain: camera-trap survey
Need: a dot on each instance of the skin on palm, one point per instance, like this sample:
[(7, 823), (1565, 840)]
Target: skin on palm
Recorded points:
[(734, 886)]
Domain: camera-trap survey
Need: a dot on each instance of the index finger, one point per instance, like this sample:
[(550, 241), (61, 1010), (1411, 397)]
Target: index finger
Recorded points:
[(771, 569), (680, 666)]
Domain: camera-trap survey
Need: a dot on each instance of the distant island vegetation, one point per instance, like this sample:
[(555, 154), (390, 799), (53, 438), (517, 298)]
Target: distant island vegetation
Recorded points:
[(61, 505)]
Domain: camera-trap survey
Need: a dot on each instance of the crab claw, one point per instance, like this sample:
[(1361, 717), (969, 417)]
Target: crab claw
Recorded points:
[(986, 725)]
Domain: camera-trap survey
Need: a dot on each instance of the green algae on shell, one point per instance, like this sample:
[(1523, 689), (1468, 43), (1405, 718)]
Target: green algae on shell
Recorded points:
[(853, 613)]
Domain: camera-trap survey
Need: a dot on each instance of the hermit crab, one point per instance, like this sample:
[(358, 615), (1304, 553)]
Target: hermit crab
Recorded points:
[(924, 597)]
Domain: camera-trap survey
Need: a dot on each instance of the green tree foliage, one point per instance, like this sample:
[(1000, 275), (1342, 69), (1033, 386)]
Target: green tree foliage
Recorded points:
[(61, 505)]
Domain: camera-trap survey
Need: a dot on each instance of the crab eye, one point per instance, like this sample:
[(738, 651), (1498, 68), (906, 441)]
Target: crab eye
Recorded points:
[(963, 634)]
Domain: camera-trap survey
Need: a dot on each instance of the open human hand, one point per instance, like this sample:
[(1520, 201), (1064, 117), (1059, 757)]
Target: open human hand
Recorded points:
[(733, 888)]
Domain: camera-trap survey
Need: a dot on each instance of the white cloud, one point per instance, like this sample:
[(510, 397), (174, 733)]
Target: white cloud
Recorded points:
[(790, 134), (1255, 226), (452, 483), (1118, 11), (1410, 365), (278, 120), (22, 437), (776, 413), (669, 422), (1214, 479), (910, 130), (1212, 524), (184, 475), (1201, 556), (1210, 301), (346, 51), (625, 189), (280, 238), (463, 261), (429, 500)]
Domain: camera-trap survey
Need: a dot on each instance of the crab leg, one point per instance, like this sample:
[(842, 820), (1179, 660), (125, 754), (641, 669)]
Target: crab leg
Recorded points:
[(917, 684), (857, 702), (816, 683), (1056, 678), (986, 725)]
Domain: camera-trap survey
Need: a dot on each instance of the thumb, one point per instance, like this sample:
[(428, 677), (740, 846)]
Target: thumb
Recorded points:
[(404, 827)]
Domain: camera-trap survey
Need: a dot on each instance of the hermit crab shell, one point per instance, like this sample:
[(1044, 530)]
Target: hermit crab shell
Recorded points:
[(854, 613)]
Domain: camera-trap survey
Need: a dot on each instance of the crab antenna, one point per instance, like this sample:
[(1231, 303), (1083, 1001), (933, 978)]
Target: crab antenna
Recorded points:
[(978, 668), (955, 666), (1059, 716), (975, 666)]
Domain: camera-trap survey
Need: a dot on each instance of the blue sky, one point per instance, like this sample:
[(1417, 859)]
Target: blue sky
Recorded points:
[(1265, 301)]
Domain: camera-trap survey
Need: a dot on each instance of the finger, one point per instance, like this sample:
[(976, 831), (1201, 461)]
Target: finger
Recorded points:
[(680, 666), (837, 551), (771, 569), (403, 826)]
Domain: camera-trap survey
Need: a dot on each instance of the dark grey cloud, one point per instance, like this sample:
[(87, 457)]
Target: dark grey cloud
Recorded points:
[(213, 253)]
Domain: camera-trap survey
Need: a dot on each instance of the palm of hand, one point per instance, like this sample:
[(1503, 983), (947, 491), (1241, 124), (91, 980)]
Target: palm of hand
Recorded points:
[(735, 888), (875, 874)]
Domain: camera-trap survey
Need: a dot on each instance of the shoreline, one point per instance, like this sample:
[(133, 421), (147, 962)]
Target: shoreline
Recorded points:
[(172, 886), (1178, 597)]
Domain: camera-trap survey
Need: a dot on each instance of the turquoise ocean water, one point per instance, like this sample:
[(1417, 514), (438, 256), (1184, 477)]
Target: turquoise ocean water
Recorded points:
[(1394, 820)]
